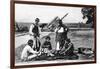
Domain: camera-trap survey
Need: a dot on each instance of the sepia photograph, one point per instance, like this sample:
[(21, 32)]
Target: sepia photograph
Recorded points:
[(51, 34)]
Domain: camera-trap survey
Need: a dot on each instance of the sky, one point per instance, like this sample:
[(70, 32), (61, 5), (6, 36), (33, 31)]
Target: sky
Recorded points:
[(28, 13)]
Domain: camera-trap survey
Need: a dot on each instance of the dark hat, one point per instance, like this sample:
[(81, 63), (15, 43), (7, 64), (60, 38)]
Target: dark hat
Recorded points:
[(37, 19), (30, 41), (60, 22)]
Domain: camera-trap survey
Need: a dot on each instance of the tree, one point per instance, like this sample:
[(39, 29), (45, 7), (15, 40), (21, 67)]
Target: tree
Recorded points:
[(17, 28)]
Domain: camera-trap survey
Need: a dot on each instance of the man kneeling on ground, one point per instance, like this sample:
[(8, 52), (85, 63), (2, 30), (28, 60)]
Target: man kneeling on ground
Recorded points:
[(28, 53), (68, 50)]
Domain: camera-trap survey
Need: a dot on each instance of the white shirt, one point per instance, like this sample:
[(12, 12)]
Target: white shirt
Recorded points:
[(59, 30), (25, 51), (30, 30)]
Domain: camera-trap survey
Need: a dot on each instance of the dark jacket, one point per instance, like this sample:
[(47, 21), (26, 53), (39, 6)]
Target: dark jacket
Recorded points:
[(47, 45), (68, 49)]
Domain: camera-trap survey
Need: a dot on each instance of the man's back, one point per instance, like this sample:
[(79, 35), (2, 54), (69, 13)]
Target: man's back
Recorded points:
[(24, 53)]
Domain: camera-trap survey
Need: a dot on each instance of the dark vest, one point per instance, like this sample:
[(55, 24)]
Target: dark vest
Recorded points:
[(35, 30)]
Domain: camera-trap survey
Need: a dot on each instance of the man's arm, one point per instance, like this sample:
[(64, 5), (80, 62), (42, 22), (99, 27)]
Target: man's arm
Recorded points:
[(30, 30), (50, 46), (32, 51), (56, 30), (63, 49), (69, 46)]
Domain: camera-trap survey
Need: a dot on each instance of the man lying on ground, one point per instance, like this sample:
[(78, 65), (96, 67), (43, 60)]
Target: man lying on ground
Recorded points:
[(88, 52)]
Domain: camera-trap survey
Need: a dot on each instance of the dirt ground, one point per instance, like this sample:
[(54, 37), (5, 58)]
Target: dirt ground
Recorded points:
[(80, 38)]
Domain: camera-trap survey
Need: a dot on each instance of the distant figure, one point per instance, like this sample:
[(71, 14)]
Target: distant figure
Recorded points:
[(61, 35), (46, 47), (35, 34), (28, 53)]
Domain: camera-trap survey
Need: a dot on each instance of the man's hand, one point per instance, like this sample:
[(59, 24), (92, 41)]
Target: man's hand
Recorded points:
[(38, 53), (30, 34)]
